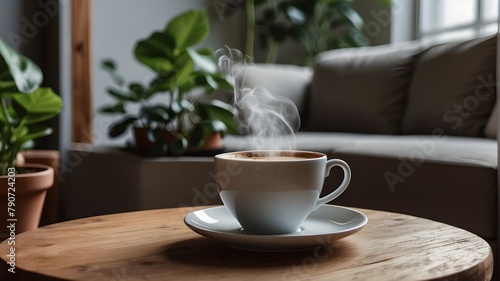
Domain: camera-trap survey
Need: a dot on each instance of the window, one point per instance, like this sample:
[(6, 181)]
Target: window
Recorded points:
[(441, 20)]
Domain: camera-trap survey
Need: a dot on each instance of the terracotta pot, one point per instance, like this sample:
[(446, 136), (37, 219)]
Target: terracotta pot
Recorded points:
[(52, 208), (212, 142), (141, 139), (29, 194)]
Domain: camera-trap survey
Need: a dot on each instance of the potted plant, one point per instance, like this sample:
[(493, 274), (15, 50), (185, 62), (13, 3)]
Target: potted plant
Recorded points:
[(166, 111), (23, 105), (317, 25)]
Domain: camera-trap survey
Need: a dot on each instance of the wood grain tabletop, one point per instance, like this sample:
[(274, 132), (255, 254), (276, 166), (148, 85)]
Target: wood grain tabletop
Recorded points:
[(157, 245)]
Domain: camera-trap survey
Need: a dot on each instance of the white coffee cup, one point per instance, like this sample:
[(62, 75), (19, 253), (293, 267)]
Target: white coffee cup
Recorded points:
[(273, 191)]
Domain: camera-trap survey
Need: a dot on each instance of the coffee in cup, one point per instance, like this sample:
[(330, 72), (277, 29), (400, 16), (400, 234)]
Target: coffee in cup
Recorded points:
[(273, 191)]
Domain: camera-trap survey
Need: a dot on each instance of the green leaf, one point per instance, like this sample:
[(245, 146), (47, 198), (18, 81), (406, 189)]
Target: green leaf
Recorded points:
[(186, 105), (36, 132), (157, 138), (386, 2), (40, 105), (137, 92), (200, 131), (222, 83), (353, 16), (163, 82), (188, 29), (25, 73), (204, 80), (19, 133), (155, 135), (211, 82), (197, 135), (29, 144), (177, 107), (156, 52), (354, 38), (117, 108), (156, 113), (218, 110), (206, 52), (202, 62), (3, 121), (7, 87), (118, 128), (122, 97), (184, 67), (217, 126), (295, 15), (108, 65), (178, 145)]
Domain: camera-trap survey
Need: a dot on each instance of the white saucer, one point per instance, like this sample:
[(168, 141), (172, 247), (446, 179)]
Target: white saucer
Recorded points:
[(321, 228)]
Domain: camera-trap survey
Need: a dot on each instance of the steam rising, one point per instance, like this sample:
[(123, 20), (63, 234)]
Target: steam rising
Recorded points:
[(270, 121)]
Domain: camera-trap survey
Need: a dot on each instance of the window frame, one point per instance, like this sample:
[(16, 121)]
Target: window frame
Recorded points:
[(477, 25)]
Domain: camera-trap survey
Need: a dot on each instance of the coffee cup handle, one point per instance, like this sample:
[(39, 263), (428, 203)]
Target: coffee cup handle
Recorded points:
[(347, 178)]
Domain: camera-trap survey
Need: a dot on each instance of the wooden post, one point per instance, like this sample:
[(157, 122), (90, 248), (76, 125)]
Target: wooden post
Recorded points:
[(82, 117)]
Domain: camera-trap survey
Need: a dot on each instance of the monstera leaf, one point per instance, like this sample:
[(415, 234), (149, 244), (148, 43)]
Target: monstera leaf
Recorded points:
[(38, 106), (23, 104), (17, 68)]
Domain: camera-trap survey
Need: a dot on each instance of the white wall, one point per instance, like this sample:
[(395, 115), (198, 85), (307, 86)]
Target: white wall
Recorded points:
[(65, 122), (118, 24)]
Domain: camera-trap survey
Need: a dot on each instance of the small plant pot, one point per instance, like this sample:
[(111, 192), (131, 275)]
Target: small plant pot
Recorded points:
[(213, 142), (141, 139), (27, 193)]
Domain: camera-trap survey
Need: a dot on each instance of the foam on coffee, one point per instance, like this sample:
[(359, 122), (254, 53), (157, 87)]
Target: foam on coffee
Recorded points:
[(276, 158), (273, 155)]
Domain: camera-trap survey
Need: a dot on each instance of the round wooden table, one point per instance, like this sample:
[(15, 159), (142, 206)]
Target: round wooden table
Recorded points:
[(156, 245)]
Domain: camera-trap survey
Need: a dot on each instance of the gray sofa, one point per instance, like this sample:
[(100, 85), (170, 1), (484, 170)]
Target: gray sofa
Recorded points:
[(415, 122)]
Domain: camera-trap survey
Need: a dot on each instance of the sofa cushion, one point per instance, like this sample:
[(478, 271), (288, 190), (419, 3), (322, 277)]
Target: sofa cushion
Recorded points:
[(437, 148), (361, 90), (452, 88), (460, 195)]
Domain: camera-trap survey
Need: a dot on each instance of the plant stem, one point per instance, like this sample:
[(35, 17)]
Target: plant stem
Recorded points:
[(6, 135), (250, 8), (3, 164)]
